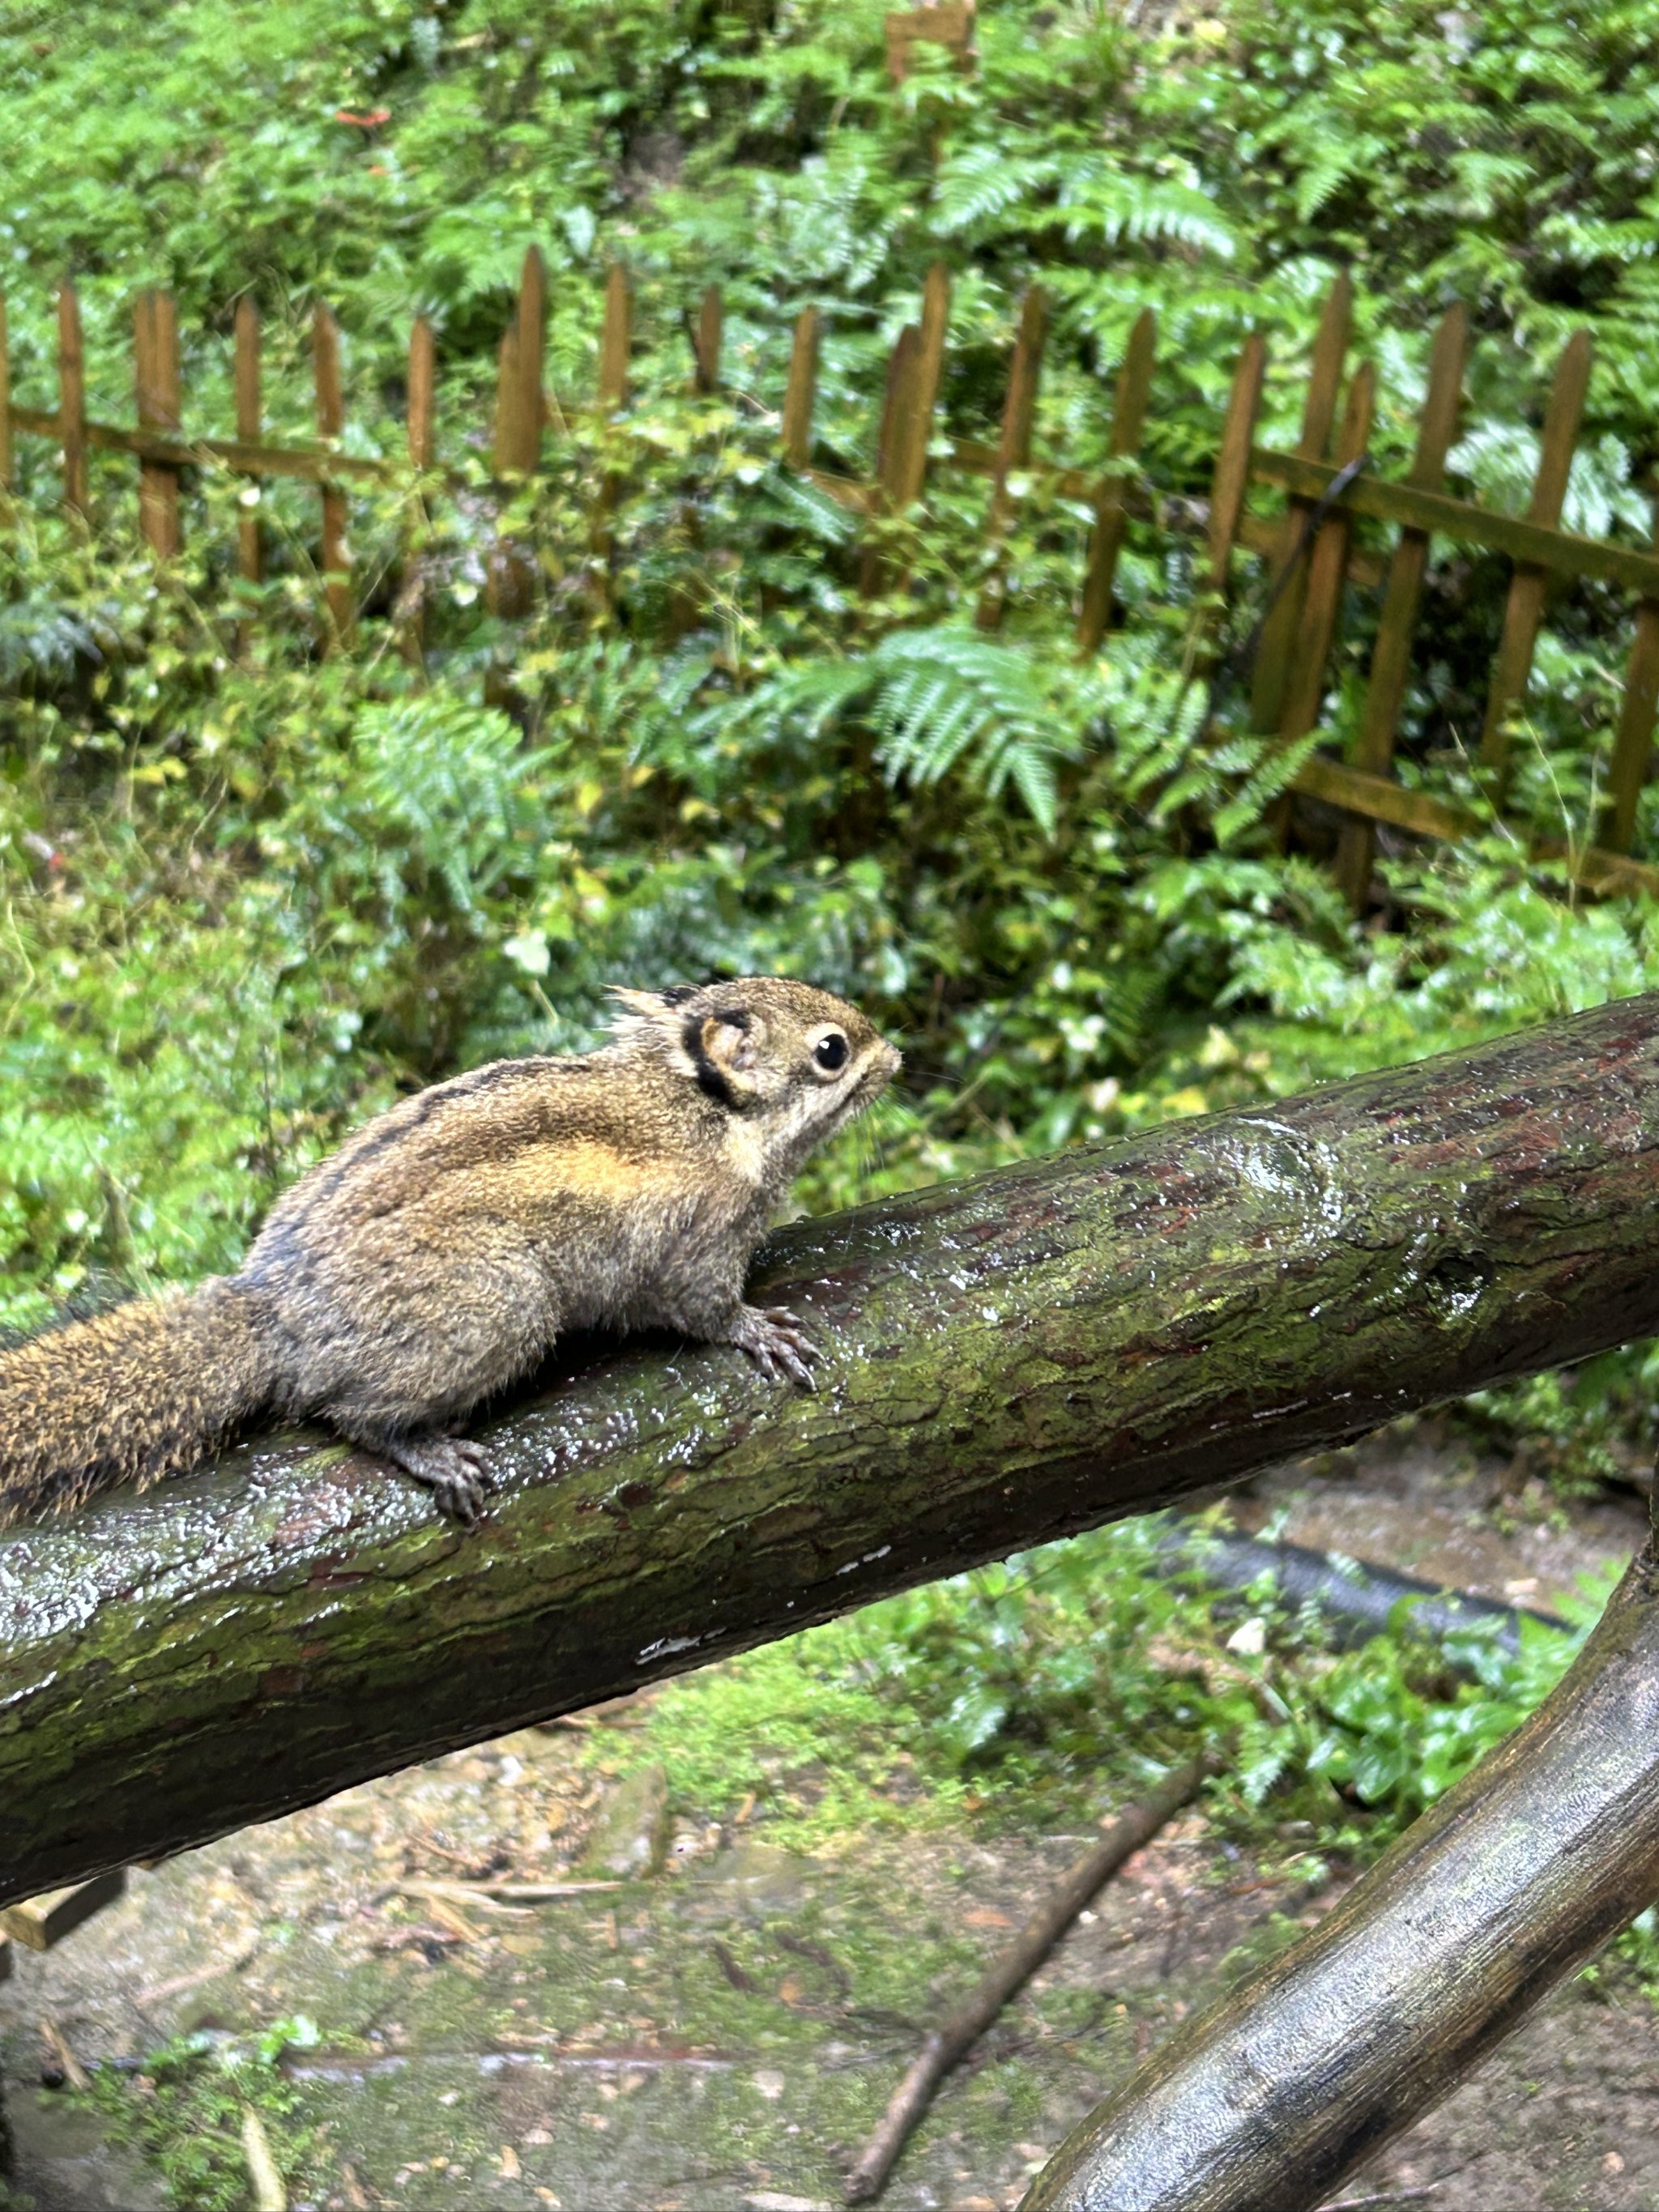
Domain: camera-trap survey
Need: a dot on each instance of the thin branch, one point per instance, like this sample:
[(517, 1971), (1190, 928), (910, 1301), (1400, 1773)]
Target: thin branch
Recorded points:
[(1012, 1968)]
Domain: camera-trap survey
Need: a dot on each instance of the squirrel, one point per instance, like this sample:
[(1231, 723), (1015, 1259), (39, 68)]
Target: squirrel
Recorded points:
[(438, 1253)]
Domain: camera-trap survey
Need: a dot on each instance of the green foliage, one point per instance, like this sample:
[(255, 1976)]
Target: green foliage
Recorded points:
[(389, 157), (948, 697), (444, 789), (1068, 1675), (1397, 1738), (1635, 1950), (186, 2105)]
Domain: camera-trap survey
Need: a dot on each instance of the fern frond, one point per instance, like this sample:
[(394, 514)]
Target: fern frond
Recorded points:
[(1484, 179), (950, 697), (1273, 772), (1115, 206), (802, 507), (1334, 159), (447, 777), (982, 181), (812, 694)]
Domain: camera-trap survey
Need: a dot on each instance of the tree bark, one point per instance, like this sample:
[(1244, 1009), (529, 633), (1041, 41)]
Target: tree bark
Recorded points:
[(1266, 2101), (1007, 1360)]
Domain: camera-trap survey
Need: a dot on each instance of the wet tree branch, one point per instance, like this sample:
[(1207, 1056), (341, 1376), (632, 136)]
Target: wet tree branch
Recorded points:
[(1008, 1360)]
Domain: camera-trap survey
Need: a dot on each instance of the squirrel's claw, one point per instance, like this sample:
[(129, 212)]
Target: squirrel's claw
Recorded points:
[(775, 1340), (451, 1468)]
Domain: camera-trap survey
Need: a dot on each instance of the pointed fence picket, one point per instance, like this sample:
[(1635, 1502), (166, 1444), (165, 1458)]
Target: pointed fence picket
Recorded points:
[(1013, 451), (250, 551), (1391, 656), (1134, 383), (155, 366), (1316, 571)]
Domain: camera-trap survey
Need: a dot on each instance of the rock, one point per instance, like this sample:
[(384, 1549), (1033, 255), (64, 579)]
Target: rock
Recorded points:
[(61, 2163), (630, 1836), (764, 1878)]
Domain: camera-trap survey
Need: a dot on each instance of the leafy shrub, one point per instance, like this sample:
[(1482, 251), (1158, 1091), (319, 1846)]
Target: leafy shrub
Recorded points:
[(188, 2108)]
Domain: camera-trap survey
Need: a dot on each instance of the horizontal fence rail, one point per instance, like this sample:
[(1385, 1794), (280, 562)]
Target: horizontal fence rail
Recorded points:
[(1319, 566)]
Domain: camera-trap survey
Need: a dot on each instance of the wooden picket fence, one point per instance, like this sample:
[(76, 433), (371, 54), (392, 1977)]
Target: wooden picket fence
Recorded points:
[(1289, 676)]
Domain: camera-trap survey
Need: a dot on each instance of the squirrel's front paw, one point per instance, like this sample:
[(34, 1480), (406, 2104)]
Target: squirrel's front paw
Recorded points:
[(774, 1339), (452, 1468)]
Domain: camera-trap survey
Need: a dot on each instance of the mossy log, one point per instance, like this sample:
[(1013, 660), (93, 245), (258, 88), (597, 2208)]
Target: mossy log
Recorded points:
[(1266, 2102), (1007, 1360)]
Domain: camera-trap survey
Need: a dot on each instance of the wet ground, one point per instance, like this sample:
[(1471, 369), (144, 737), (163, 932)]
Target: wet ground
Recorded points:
[(1423, 1499), (720, 2036)]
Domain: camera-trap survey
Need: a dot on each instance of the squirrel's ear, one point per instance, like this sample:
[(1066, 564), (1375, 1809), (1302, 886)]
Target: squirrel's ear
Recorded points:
[(724, 1049), (721, 1050)]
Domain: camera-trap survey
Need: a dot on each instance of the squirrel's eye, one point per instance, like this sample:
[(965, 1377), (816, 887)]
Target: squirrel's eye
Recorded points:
[(830, 1052)]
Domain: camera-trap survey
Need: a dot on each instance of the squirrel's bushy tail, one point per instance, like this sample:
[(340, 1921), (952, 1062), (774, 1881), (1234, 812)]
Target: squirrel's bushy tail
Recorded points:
[(141, 1391)]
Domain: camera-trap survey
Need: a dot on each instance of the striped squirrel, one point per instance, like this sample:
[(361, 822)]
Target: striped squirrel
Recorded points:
[(438, 1253)]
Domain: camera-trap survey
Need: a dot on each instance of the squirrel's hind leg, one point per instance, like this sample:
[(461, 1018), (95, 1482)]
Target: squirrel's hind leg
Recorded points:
[(451, 1468)]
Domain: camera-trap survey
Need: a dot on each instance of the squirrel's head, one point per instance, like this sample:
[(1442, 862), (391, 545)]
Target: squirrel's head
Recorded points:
[(788, 1063)]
